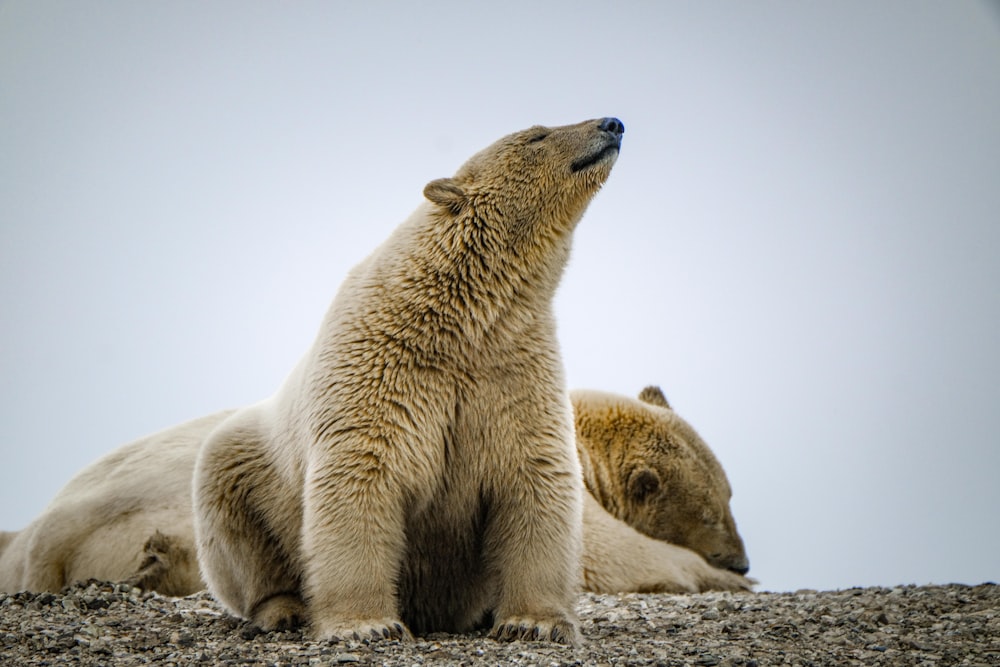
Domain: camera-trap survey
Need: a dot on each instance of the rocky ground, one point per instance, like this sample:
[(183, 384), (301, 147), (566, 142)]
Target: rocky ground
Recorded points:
[(104, 624)]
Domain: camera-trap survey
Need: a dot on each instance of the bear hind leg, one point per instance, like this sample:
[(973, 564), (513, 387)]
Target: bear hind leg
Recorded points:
[(282, 611), (241, 548)]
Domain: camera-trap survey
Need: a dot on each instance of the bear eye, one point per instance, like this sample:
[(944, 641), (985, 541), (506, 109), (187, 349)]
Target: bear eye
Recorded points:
[(538, 137)]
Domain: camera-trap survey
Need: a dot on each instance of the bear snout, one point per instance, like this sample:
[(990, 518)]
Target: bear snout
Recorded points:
[(612, 125), (602, 145), (739, 565)]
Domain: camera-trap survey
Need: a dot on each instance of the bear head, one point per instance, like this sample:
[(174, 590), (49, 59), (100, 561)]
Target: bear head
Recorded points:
[(535, 183), (649, 468)]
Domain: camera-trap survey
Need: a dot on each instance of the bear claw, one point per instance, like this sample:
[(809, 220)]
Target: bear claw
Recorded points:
[(557, 630), (363, 631)]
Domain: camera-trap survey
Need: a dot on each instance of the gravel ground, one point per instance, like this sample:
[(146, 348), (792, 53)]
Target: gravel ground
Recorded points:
[(113, 624)]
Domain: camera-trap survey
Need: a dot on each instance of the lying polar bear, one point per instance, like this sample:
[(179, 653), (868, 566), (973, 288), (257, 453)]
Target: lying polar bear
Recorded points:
[(656, 511)]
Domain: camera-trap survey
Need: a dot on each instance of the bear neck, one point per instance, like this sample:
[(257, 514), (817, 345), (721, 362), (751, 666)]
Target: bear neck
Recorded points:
[(599, 475), (477, 278), (444, 290)]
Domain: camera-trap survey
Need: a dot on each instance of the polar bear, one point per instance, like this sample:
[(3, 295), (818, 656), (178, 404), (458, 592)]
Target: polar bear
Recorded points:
[(417, 469), (650, 470), (98, 525), (127, 516)]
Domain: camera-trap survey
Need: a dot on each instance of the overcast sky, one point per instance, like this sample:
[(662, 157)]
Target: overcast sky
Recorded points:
[(800, 241)]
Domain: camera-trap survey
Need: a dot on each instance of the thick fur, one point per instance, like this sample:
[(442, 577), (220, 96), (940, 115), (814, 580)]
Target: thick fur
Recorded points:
[(154, 549), (98, 525), (651, 470), (617, 558), (417, 469)]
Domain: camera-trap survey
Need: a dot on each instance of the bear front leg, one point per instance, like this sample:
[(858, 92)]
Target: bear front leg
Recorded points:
[(353, 539), (534, 543), (619, 559)]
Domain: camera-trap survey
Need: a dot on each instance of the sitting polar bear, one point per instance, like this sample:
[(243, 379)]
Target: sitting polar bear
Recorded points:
[(416, 470), (127, 517)]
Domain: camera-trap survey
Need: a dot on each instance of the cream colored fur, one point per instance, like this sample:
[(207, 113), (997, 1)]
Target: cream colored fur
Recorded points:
[(655, 473), (417, 471), (617, 558), (97, 526), (645, 465), (153, 547), (418, 465)]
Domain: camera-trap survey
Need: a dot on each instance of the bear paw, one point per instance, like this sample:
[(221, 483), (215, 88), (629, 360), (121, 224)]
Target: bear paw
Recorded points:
[(279, 612), (363, 630), (158, 555), (557, 629), (724, 580), (703, 577)]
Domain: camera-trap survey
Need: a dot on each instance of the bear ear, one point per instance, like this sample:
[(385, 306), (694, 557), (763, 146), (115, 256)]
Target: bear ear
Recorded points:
[(654, 396), (642, 483), (446, 193)]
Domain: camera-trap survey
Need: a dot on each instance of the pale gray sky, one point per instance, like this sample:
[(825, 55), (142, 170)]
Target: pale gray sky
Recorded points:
[(800, 241)]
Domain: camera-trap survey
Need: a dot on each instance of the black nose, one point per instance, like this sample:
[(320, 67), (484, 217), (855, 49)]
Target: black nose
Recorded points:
[(740, 566), (612, 125)]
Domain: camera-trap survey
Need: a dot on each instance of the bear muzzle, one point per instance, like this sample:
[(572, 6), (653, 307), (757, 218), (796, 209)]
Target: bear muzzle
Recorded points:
[(607, 144)]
